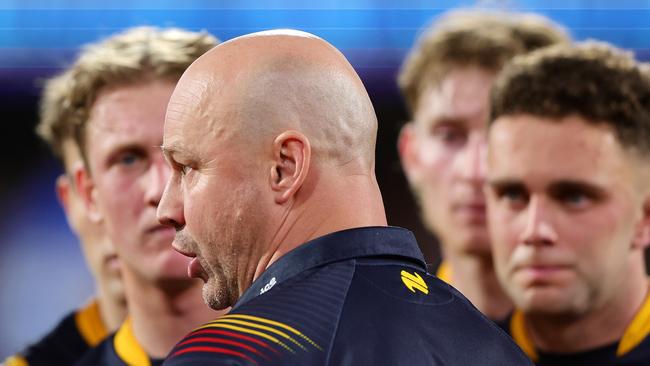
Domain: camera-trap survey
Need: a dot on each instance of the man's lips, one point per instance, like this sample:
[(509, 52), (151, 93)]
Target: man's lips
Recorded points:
[(536, 274), (185, 253), (112, 262), (161, 230), (194, 269), (472, 212)]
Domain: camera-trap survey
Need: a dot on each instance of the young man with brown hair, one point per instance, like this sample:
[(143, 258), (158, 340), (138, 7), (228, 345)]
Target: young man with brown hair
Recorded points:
[(569, 204)]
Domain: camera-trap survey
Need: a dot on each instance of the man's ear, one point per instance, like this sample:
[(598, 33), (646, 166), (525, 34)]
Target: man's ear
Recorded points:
[(407, 147), (63, 187), (88, 192), (642, 236), (291, 161)]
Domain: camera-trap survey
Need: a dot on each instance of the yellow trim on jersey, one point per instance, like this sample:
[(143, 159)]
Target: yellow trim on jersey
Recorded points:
[(128, 348), (520, 335), (15, 361), (277, 324), (637, 331), (249, 331), (90, 324), (261, 327), (444, 272)]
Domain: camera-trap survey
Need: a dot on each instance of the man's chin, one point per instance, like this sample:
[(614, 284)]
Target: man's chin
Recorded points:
[(216, 297), (548, 302), (473, 242)]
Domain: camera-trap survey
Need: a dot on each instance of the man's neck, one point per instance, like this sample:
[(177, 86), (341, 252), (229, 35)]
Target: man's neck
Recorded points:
[(112, 309), (474, 277), (324, 212), (162, 314), (601, 326)]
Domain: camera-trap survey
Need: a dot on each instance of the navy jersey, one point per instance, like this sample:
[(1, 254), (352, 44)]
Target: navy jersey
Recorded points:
[(442, 271), (633, 349), (119, 349), (67, 342), (355, 297)]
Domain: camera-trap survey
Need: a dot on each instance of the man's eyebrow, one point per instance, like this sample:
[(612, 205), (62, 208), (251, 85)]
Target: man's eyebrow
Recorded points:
[(449, 120), (503, 182), (170, 151), (577, 186)]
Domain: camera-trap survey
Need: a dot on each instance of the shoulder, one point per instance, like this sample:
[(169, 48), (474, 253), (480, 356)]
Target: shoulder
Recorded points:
[(351, 312), (395, 310), (639, 355), (290, 323), (63, 345), (102, 355)]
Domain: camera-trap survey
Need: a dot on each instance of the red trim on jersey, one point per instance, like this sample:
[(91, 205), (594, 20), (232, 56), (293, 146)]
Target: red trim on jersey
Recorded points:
[(223, 341), (234, 335)]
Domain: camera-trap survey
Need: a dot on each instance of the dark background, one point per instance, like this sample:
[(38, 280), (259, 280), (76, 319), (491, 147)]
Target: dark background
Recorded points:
[(42, 274)]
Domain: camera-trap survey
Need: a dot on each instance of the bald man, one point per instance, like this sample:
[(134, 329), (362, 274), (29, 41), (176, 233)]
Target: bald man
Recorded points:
[(271, 141)]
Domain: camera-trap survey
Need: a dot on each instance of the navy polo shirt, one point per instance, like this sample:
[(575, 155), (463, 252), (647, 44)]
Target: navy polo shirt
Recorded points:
[(355, 297)]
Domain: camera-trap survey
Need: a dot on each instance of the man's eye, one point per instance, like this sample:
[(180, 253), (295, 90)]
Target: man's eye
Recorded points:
[(514, 197), (128, 159), (574, 199), (450, 135)]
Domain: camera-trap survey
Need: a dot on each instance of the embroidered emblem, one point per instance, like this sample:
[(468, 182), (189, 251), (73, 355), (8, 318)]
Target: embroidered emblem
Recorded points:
[(268, 286), (413, 281)]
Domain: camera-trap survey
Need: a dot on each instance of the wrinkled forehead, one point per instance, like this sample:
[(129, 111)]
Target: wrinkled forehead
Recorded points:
[(188, 101), (202, 113)]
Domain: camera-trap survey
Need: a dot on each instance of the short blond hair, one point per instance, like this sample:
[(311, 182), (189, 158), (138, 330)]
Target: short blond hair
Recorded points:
[(462, 38), (133, 56)]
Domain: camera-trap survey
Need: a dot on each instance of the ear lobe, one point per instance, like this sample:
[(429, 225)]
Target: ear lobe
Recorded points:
[(291, 161), (62, 188), (408, 153), (642, 237), (88, 193)]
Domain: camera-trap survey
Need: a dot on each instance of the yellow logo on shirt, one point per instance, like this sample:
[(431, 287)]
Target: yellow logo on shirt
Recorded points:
[(413, 282)]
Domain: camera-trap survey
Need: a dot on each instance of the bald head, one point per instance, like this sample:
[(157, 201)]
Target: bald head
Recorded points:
[(271, 141), (257, 86)]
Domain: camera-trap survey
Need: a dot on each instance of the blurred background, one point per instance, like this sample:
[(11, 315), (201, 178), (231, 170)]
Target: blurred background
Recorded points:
[(42, 274)]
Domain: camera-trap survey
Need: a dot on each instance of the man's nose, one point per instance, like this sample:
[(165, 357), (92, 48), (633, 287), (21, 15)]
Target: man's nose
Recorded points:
[(539, 228)]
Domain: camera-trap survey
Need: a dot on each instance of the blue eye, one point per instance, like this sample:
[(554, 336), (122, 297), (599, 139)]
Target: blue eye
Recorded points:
[(574, 200), (128, 159), (576, 195), (450, 135), (514, 195)]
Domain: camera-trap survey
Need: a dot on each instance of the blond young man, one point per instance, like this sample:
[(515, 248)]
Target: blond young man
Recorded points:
[(569, 204), (446, 81), (114, 98)]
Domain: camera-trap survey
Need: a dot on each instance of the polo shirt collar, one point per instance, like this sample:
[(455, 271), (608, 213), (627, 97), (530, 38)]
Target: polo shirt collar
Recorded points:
[(334, 247)]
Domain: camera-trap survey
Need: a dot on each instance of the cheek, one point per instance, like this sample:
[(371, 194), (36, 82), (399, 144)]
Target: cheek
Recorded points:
[(605, 238), (435, 163), (203, 206), (433, 156), (504, 228)]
